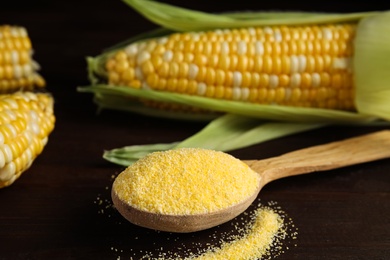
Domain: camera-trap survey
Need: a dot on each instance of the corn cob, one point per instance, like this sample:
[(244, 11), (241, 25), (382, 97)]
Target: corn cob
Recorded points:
[(307, 66), (326, 68), (18, 71), (26, 120), (295, 71)]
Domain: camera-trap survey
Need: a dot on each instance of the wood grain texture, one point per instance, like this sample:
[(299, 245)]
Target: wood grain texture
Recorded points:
[(356, 150)]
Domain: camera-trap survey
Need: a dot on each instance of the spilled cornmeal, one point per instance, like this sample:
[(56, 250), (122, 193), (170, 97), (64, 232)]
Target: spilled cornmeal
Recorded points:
[(255, 242), (263, 232)]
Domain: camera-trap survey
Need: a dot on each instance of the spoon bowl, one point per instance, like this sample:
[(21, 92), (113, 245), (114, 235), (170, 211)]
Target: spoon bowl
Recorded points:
[(180, 223), (324, 157)]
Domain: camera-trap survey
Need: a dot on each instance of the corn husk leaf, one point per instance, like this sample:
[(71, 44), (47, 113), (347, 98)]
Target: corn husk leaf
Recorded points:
[(128, 155), (147, 35), (226, 133), (372, 66), (125, 103), (182, 19), (231, 132)]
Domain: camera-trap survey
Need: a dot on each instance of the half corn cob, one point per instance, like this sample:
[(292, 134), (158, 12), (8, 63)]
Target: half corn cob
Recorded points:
[(26, 120), (18, 71)]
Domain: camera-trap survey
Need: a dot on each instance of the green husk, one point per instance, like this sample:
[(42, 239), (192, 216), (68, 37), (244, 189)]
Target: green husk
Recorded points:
[(246, 124), (231, 132), (128, 155), (181, 19), (226, 133), (128, 103), (372, 66)]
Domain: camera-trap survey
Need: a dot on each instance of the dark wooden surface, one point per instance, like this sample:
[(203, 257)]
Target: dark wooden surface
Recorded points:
[(60, 208)]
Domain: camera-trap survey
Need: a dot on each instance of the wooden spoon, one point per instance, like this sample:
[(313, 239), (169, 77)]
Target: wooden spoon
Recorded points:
[(329, 156)]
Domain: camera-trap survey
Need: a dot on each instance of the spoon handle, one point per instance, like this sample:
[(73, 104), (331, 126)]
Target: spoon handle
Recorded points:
[(329, 156)]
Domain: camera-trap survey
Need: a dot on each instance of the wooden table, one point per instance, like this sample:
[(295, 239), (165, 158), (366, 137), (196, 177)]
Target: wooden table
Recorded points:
[(61, 208)]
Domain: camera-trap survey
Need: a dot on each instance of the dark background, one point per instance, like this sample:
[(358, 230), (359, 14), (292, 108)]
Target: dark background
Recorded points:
[(60, 208)]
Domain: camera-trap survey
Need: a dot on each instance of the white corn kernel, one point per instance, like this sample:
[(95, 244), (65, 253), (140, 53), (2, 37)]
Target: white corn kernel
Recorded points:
[(241, 48), (301, 63), (237, 79), (273, 81), (259, 48), (7, 153), (193, 70), (236, 93), (295, 80), (244, 94), (225, 48), (168, 56), (7, 171), (315, 79), (132, 50), (294, 64), (142, 57), (201, 89)]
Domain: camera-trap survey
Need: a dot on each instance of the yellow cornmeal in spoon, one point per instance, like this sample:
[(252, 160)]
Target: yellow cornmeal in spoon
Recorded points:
[(186, 181)]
